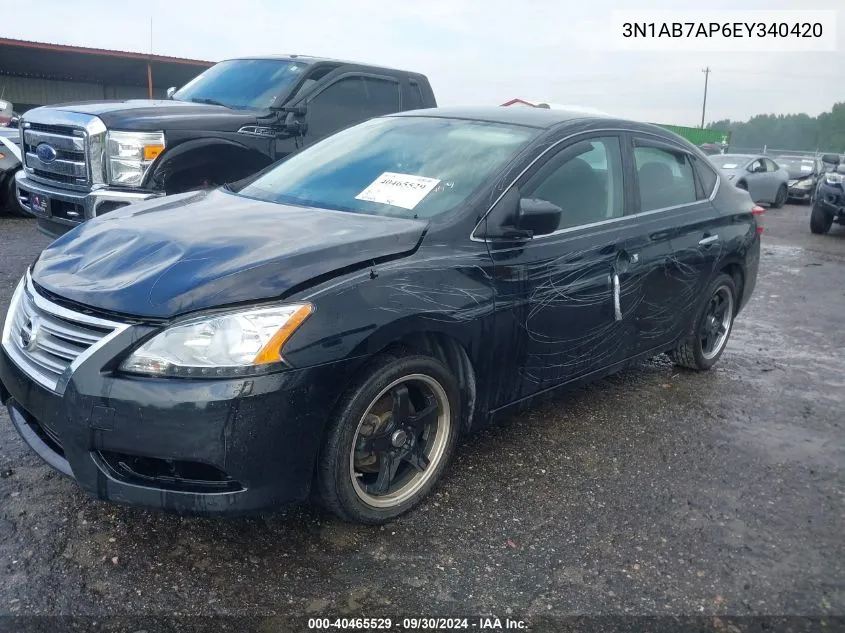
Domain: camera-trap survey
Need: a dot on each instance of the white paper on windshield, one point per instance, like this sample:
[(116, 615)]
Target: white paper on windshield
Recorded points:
[(730, 166), (398, 190), (806, 168)]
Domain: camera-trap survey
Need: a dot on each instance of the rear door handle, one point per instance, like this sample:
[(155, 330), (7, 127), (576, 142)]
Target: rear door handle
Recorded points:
[(617, 299), (708, 240)]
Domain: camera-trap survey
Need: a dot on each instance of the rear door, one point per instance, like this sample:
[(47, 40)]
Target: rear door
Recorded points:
[(676, 239)]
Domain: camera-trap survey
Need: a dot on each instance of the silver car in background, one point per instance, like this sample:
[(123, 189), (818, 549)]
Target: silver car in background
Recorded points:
[(763, 179)]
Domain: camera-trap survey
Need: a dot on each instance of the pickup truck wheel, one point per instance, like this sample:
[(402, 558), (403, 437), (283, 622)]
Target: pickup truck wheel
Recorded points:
[(780, 197), (712, 327), (9, 202), (390, 441), (820, 222)]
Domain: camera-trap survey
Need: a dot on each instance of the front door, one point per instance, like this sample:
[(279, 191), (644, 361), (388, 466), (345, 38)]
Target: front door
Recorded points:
[(557, 299)]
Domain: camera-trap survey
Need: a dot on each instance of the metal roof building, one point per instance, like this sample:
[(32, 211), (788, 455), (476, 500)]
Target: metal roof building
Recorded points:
[(36, 73)]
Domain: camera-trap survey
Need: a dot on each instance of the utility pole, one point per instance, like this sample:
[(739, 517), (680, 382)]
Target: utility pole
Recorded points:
[(706, 72)]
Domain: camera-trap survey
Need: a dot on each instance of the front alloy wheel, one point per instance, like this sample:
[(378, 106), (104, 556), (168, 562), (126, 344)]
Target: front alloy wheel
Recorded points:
[(390, 441), (780, 197)]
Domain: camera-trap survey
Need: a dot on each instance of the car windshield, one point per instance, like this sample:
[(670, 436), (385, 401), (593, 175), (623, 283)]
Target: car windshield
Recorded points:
[(796, 167), (242, 83), (397, 166), (728, 161)]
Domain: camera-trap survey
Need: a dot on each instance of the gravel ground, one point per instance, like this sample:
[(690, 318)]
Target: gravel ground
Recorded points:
[(654, 492)]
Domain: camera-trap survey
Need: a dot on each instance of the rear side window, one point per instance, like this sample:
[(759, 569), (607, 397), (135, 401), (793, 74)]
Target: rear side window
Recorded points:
[(770, 165), (382, 96), (707, 177), (415, 98), (665, 178)]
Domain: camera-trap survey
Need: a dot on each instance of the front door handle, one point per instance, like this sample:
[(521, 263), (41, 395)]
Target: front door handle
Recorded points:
[(708, 240), (617, 299)]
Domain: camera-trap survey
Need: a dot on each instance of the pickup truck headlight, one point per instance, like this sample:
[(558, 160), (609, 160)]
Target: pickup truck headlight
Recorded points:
[(130, 155), (833, 178), (233, 344)]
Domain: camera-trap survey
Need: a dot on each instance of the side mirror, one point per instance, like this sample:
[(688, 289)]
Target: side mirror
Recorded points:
[(538, 216), (830, 159), (293, 124), (171, 91), (15, 121)]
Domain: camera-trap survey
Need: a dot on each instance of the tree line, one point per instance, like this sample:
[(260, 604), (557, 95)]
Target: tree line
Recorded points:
[(801, 132)]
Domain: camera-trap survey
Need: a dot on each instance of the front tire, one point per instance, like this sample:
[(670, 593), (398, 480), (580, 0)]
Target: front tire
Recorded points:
[(390, 440), (820, 222), (712, 327), (780, 197), (9, 200)]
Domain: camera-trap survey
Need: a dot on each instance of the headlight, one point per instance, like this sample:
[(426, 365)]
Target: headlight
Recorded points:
[(805, 184), (130, 155), (833, 178), (223, 345)]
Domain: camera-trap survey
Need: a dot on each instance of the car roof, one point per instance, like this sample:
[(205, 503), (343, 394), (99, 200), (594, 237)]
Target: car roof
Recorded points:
[(515, 115)]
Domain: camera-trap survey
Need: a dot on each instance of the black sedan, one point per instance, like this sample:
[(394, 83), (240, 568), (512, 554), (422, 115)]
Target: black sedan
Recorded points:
[(329, 327)]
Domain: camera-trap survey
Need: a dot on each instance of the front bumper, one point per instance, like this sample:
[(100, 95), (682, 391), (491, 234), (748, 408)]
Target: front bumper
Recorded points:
[(183, 445), (68, 208), (800, 193)]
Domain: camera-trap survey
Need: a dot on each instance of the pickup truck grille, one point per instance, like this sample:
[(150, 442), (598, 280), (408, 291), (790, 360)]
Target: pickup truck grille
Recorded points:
[(69, 162), (44, 339)]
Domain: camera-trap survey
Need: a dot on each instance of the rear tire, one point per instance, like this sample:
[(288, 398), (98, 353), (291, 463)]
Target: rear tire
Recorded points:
[(379, 459), (713, 327), (820, 222), (780, 197)]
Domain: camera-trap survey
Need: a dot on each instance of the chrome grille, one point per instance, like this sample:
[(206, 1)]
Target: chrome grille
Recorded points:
[(48, 341), (70, 146)]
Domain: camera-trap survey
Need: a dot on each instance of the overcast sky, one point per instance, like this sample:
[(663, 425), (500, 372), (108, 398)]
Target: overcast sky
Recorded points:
[(473, 51)]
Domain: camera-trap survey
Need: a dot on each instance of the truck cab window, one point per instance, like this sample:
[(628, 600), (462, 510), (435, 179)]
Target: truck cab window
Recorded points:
[(351, 100)]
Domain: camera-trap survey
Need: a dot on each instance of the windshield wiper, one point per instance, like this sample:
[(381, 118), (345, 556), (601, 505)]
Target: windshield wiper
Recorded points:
[(209, 102)]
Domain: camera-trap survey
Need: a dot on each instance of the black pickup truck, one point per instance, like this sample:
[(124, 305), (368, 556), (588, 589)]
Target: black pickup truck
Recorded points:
[(82, 160)]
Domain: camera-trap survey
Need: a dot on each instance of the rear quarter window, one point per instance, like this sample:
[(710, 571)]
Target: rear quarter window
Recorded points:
[(707, 177)]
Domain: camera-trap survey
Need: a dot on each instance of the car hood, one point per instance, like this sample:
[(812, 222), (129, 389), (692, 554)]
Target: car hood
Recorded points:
[(797, 174), (169, 114), (166, 257)]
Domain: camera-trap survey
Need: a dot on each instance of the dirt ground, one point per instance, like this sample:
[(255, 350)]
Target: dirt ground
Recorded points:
[(654, 492)]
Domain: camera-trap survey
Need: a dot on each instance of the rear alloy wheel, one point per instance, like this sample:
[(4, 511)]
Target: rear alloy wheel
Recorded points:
[(820, 222), (391, 440), (712, 328), (780, 197)]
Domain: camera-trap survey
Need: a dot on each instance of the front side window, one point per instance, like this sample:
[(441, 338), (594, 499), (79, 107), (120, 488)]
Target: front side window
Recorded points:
[(243, 83), (351, 100), (415, 167), (770, 165), (665, 178), (584, 180)]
